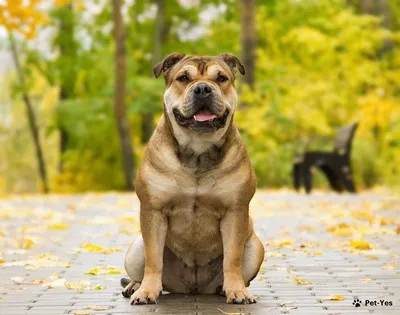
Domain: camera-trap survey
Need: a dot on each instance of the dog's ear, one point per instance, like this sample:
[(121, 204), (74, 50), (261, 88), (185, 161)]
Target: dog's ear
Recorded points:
[(233, 62), (167, 63)]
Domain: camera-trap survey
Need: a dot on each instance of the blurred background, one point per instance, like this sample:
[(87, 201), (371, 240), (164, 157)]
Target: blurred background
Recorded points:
[(78, 102)]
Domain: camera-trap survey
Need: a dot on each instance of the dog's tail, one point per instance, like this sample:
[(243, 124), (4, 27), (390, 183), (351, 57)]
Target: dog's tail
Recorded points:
[(125, 282)]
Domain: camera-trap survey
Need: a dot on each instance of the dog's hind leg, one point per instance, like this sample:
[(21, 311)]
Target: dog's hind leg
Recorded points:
[(253, 257), (134, 266)]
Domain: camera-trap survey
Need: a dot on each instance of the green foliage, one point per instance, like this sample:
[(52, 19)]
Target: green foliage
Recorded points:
[(320, 65), (317, 71)]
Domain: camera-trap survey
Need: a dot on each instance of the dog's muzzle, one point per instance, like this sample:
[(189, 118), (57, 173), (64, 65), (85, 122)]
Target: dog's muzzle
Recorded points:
[(203, 113)]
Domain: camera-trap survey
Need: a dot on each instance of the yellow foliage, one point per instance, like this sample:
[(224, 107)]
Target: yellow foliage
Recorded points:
[(21, 16), (79, 5)]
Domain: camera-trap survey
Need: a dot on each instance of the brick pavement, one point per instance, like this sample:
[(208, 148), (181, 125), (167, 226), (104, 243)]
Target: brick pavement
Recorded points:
[(307, 238)]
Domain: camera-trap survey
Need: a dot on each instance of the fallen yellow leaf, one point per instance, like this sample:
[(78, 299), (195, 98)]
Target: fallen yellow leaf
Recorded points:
[(82, 285), (360, 244), (231, 313), (285, 304), (55, 283), (334, 298), (99, 270), (128, 231), (391, 266), (25, 243), (93, 248), (301, 281), (282, 243), (96, 307), (58, 227)]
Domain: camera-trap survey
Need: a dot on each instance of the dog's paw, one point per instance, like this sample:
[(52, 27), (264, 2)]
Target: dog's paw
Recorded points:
[(145, 296), (130, 289), (241, 296)]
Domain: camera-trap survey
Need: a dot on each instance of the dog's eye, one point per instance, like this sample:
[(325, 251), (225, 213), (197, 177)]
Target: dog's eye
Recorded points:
[(221, 79), (183, 78)]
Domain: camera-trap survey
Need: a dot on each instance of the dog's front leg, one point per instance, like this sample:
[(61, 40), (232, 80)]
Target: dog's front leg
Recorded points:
[(234, 237), (153, 224)]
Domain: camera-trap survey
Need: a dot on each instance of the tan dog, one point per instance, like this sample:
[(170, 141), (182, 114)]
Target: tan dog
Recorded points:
[(194, 186)]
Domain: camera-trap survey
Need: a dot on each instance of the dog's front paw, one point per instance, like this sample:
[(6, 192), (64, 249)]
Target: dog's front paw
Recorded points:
[(130, 289), (145, 296), (239, 296)]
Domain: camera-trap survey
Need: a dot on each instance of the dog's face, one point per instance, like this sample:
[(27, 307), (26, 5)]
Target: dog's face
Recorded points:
[(200, 92)]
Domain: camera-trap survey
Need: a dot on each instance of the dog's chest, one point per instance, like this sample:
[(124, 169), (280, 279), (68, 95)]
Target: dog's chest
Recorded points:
[(193, 220)]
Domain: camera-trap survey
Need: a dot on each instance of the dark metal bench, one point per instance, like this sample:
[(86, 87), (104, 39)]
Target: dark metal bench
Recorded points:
[(335, 165)]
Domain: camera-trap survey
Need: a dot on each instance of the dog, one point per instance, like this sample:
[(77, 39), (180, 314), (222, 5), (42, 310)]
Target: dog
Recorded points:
[(194, 186)]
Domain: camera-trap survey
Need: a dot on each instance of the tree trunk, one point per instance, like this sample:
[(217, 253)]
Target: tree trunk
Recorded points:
[(368, 7), (159, 37), (120, 110), (31, 118), (67, 47), (248, 38), (383, 8)]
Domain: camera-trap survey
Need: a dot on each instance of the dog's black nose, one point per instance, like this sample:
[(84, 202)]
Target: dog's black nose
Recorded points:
[(202, 90)]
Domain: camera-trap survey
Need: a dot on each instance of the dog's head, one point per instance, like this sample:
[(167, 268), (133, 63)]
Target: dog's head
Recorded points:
[(200, 90)]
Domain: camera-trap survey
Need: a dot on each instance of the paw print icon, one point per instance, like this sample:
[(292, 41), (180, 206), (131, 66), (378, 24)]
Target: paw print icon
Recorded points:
[(357, 303)]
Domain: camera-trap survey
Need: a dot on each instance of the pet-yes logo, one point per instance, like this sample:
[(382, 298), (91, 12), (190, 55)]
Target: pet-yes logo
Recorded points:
[(358, 303)]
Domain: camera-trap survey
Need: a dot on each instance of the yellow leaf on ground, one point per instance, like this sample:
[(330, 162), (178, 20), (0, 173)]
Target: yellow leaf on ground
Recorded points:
[(360, 244), (100, 270), (25, 243), (391, 266), (55, 283), (301, 281), (58, 227), (97, 287), (282, 243), (226, 313), (334, 298), (81, 313), (2, 261), (93, 248), (285, 304), (97, 307), (82, 285), (43, 261), (77, 285), (128, 231)]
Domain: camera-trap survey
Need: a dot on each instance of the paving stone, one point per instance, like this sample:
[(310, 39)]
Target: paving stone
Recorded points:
[(278, 215)]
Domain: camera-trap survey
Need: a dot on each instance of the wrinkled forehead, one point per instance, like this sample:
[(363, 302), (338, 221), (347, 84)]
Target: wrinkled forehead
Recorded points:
[(197, 67)]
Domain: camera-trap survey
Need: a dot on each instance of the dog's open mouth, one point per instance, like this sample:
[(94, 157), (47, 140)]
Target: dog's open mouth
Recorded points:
[(203, 121)]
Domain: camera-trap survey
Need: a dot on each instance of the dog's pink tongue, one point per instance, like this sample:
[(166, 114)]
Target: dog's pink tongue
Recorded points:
[(204, 115)]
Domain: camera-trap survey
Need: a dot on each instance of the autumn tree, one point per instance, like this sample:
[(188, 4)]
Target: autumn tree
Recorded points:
[(158, 40), (25, 19), (120, 109), (248, 39)]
